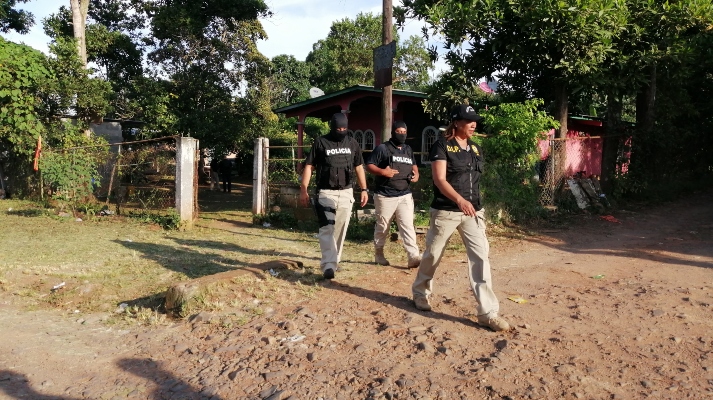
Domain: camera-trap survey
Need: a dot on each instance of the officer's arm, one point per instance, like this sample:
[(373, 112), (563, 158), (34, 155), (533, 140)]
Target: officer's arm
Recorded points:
[(306, 176), (374, 170), (361, 178)]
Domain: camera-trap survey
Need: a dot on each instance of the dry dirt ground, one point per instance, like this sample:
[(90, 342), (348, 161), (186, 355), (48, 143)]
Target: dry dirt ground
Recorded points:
[(614, 310)]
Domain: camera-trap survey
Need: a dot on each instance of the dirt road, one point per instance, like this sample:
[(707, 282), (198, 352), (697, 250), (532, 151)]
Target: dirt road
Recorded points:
[(616, 310)]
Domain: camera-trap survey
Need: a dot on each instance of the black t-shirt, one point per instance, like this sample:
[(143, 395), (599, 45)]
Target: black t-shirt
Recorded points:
[(465, 182), (381, 157), (318, 155)]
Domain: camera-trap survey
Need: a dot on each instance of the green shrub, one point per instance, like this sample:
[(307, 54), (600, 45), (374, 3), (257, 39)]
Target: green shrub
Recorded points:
[(169, 220), (276, 219), (361, 230)]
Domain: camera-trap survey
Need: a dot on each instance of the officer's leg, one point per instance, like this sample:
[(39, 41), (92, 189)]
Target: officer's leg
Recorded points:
[(443, 223), (326, 209), (345, 203), (472, 230), (404, 220), (384, 208)]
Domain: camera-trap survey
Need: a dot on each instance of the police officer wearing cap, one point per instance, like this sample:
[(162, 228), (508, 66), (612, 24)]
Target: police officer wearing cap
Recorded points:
[(392, 163), (457, 164), (336, 158)]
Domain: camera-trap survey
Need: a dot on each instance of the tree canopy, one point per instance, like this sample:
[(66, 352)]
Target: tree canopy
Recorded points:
[(12, 19), (345, 57)]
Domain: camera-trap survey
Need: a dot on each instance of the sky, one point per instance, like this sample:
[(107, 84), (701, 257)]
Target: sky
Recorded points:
[(294, 27)]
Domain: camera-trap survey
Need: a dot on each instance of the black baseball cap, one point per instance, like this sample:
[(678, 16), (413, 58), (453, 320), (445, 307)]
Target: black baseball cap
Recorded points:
[(465, 111)]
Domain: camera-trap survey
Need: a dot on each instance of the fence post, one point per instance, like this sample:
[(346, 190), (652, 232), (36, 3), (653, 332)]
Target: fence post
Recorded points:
[(260, 167), (185, 174)]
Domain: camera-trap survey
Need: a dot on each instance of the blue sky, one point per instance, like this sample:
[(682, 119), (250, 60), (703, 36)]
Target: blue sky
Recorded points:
[(294, 27)]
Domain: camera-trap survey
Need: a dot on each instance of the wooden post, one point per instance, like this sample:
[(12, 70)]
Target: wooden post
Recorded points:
[(386, 94), (260, 176), (185, 175)]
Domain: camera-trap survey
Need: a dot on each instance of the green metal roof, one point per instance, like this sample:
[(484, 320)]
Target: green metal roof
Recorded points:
[(356, 88)]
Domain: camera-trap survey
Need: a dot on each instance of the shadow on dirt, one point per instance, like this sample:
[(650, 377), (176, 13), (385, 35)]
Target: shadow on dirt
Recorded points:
[(188, 261), (17, 386), (239, 199), (400, 302), (675, 233), (169, 386)]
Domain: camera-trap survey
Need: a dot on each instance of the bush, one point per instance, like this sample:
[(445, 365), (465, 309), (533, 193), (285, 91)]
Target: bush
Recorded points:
[(508, 187), (278, 219), (169, 220)]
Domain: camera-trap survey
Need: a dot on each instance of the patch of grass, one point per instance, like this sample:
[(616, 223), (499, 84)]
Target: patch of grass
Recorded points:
[(145, 316)]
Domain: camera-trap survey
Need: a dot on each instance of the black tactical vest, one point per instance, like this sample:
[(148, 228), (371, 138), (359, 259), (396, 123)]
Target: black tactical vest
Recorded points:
[(463, 170), (335, 172), (403, 163)]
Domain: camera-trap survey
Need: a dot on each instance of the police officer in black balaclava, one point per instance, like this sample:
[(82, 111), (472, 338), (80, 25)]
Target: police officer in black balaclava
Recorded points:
[(336, 157), (393, 165)]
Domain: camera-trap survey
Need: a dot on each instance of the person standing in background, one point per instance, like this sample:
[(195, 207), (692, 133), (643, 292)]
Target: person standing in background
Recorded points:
[(214, 176), (225, 167)]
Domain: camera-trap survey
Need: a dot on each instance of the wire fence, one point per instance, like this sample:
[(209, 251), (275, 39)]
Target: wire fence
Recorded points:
[(565, 158), (146, 174), (139, 175)]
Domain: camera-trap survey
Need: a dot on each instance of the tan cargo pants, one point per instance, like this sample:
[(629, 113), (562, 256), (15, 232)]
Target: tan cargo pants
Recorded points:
[(400, 208), (334, 208), (472, 231)]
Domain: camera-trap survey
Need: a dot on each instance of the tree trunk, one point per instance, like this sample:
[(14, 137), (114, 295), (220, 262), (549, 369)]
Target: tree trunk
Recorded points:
[(561, 108), (610, 145), (558, 151), (645, 102), (80, 8), (645, 108)]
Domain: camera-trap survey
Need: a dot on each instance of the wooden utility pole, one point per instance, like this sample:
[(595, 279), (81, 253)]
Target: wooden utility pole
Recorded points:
[(386, 93)]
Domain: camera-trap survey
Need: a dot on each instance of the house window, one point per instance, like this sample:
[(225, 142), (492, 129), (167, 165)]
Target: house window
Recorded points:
[(359, 137), (368, 140), (428, 138)]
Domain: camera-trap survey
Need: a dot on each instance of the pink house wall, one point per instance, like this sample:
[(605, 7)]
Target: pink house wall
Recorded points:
[(584, 153)]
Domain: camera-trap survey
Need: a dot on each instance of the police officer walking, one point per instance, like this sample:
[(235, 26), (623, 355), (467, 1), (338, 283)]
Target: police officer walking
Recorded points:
[(392, 163), (336, 157), (457, 164)]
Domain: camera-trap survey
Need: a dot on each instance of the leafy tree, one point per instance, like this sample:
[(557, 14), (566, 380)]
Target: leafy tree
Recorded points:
[(528, 45), (511, 155), (218, 77), (345, 57), (15, 20), (412, 65), (38, 91), (289, 80), (658, 36), (24, 72)]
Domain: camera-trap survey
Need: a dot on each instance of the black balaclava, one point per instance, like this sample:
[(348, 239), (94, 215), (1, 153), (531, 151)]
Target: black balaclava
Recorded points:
[(396, 138), (338, 120)]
